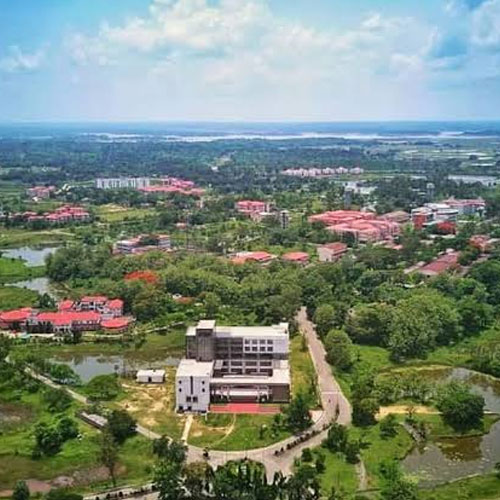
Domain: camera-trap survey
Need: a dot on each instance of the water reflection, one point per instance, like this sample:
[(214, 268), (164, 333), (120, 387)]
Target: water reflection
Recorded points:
[(88, 367), (32, 256), (452, 458)]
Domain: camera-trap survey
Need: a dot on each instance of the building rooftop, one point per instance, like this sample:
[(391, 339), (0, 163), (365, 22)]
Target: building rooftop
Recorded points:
[(150, 373), (280, 330), (191, 367)]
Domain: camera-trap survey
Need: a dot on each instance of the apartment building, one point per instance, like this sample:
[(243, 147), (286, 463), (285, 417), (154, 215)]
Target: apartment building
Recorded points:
[(233, 363), (122, 183)]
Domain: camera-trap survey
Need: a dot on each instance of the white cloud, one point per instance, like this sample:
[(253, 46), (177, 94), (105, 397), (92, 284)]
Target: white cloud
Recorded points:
[(486, 25), (18, 61)]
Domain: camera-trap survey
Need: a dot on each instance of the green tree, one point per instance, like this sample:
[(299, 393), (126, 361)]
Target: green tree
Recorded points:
[(336, 439), (108, 454), (168, 481), (57, 400), (21, 491), (168, 449), (339, 350), (121, 425), (68, 428), (459, 407), (388, 426), (298, 417), (324, 319), (48, 440), (369, 324)]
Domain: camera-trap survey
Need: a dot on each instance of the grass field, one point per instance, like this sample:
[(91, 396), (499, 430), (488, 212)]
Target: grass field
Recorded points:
[(338, 473), (234, 432), (12, 270), (485, 487), (115, 213), (16, 237), (380, 450), (12, 297), (302, 371)]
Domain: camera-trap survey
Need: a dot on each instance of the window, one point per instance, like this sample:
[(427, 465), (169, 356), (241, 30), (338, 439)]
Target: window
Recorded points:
[(202, 382), (195, 399), (203, 390), (188, 399), (269, 349), (180, 390)]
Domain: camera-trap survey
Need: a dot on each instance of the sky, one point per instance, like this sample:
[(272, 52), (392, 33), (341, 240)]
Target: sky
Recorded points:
[(249, 60)]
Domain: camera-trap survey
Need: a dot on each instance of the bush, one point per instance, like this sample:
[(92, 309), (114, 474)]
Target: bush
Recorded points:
[(103, 387), (57, 400)]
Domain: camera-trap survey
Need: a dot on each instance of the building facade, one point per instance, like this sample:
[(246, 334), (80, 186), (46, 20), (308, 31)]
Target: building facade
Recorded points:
[(233, 363), (122, 183)]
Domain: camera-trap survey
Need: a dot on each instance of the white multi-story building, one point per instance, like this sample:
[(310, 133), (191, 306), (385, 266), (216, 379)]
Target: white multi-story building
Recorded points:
[(233, 363), (122, 183)]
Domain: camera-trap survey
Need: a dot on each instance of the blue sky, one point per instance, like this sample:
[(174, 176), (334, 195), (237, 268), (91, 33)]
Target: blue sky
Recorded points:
[(256, 60)]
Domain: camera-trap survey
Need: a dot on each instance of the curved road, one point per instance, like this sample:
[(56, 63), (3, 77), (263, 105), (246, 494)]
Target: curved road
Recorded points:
[(335, 407)]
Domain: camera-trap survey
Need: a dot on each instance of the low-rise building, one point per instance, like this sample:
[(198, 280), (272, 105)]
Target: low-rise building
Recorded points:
[(233, 363), (296, 257), (150, 376), (143, 243), (445, 262), (259, 257), (331, 252)]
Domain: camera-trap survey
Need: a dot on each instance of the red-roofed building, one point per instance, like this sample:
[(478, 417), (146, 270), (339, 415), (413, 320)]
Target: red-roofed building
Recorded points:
[(66, 305), (481, 242), (445, 262), (297, 257), (16, 319), (331, 251), (117, 325), (260, 257), (362, 226), (253, 209), (64, 322)]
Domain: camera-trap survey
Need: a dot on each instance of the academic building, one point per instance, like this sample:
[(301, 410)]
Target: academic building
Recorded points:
[(233, 363)]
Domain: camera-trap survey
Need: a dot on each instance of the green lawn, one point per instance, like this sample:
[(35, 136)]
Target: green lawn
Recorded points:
[(16, 237), (244, 432), (380, 450), (12, 297), (485, 487), (116, 213), (302, 370), (439, 429), (12, 270), (338, 474)]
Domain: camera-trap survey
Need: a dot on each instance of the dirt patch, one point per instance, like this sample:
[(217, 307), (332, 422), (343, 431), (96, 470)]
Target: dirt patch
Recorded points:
[(148, 403), (403, 409), (12, 414)]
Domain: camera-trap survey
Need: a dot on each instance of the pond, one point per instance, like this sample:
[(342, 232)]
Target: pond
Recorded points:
[(449, 459), (40, 285), (87, 366), (32, 256)]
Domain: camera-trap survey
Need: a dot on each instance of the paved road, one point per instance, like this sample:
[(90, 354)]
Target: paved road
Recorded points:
[(332, 398)]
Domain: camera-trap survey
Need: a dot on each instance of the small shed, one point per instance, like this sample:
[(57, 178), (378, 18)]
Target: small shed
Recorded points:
[(150, 376)]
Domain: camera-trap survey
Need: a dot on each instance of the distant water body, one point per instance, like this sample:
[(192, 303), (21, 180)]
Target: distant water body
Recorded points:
[(209, 132)]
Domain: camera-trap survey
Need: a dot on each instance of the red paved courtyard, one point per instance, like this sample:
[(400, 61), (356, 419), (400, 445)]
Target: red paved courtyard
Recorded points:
[(248, 408)]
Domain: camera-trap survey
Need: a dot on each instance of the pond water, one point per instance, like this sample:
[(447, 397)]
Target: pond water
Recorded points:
[(88, 367), (40, 285), (32, 256), (451, 458)]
